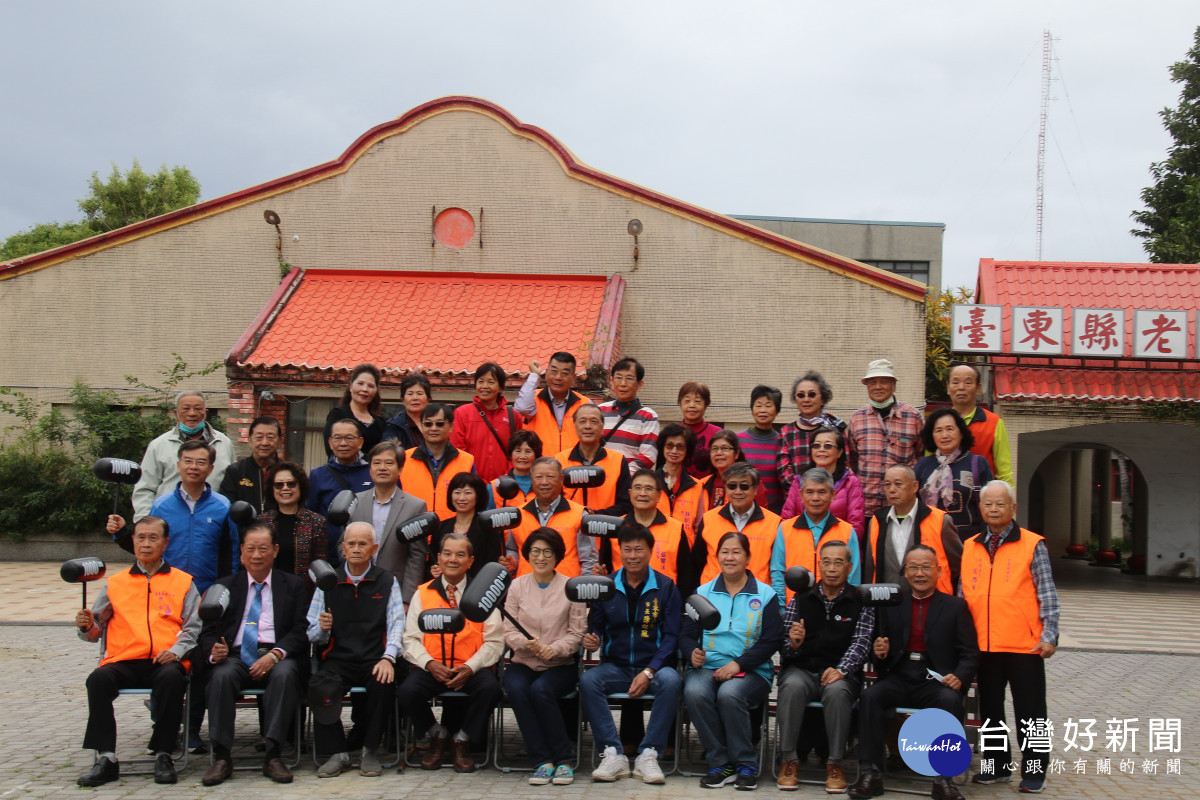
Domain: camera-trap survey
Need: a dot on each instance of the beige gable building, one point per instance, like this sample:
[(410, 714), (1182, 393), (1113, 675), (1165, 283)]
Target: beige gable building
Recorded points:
[(706, 296)]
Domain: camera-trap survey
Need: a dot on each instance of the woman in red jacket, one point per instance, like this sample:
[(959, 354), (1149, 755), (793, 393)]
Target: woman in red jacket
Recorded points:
[(483, 426)]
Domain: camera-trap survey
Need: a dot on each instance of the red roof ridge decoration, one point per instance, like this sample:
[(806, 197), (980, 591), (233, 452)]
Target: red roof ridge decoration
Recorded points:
[(1091, 284), (326, 321), (842, 265)]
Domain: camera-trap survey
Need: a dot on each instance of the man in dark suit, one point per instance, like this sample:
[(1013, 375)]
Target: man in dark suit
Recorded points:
[(261, 641), (386, 507), (926, 655), (246, 479)]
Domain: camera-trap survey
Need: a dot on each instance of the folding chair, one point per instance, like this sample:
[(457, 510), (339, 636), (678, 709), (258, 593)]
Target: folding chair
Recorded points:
[(410, 735), (145, 765), (394, 728), (498, 725), (250, 698)]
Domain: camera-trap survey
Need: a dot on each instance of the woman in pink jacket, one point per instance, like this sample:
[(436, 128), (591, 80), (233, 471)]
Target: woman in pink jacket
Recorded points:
[(828, 451)]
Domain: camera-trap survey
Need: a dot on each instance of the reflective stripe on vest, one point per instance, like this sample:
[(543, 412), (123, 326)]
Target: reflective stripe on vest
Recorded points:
[(416, 479), (147, 613), (761, 534), (799, 548), (1005, 584), (931, 536), (465, 644), (566, 522)]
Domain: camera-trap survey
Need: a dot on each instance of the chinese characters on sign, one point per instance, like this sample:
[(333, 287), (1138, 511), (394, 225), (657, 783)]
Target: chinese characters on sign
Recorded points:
[(1094, 332), (1120, 736)]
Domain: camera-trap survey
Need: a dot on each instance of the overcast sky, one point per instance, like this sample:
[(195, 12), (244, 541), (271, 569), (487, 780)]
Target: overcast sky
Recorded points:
[(864, 110)]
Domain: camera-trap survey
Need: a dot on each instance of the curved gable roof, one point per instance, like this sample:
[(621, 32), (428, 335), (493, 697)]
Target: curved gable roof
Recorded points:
[(839, 264)]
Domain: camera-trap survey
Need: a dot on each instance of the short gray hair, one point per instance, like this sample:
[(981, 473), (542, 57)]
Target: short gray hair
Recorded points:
[(191, 393), (354, 527), (817, 475), (1012, 493)]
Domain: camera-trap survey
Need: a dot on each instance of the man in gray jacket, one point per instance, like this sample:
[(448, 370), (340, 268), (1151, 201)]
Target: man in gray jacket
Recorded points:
[(159, 475)]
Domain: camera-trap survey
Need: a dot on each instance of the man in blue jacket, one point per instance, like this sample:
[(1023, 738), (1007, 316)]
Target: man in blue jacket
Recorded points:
[(346, 470), (636, 632)]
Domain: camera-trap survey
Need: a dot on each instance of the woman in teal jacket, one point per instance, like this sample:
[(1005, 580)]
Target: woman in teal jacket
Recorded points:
[(732, 669)]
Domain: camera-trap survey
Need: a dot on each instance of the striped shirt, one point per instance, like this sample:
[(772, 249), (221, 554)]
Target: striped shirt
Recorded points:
[(637, 438), (761, 451)]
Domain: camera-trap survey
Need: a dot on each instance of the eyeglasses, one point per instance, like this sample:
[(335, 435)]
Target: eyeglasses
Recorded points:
[(722, 449), (739, 487), (836, 562), (807, 395), (919, 568), (823, 446), (434, 423), (286, 484), (345, 439), (199, 462), (538, 552)]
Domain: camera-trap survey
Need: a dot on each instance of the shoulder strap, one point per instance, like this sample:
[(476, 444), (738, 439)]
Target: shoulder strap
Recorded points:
[(337, 476), (511, 426), (604, 439)]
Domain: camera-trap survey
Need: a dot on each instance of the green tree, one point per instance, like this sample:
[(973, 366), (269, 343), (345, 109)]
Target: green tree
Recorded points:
[(1171, 220), (938, 305), (136, 195), (43, 236)]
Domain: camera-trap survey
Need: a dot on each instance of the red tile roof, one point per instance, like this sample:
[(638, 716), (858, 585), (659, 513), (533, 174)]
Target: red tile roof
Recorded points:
[(1092, 285), (447, 323)]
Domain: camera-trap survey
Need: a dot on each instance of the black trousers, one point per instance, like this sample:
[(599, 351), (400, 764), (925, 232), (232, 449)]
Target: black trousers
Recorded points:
[(330, 682), (878, 705), (1026, 674), (228, 679), (166, 682), (420, 687)]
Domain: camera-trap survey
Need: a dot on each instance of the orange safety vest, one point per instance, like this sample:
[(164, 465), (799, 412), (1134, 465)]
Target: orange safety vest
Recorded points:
[(1004, 583), (517, 502), (545, 424), (760, 532), (566, 521), (466, 643), (983, 428), (688, 507), (667, 534), (417, 480), (602, 496), (931, 536), (147, 613), (799, 548)]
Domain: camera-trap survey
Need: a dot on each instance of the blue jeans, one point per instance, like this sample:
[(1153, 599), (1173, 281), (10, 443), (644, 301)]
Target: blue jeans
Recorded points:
[(721, 714), (533, 696), (609, 678)]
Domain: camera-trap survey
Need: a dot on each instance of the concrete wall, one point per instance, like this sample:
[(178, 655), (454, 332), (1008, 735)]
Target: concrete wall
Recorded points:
[(700, 303)]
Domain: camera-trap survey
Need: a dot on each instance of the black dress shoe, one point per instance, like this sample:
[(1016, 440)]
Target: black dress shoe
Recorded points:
[(164, 769), (945, 790), (103, 771), (869, 784), (219, 772)]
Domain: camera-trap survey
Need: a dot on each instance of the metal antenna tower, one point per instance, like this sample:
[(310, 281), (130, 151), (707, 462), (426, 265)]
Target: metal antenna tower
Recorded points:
[(1047, 57)]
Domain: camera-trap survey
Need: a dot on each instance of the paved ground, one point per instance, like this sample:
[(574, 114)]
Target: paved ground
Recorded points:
[(1099, 674)]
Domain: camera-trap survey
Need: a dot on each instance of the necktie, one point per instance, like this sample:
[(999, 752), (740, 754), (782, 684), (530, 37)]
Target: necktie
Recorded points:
[(250, 628), (993, 543), (450, 590)]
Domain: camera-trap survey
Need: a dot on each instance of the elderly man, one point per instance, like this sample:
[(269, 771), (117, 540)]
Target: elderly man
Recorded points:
[(259, 642), (247, 478), (346, 469), (742, 514), (905, 522), (991, 436), (828, 632), (630, 428), (882, 433), (550, 509), (143, 647), (427, 468), (548, 413), (930, 635), (386, 506), (798, 540), (357, 630), (1007, 567), (457, 662), (159, 476)]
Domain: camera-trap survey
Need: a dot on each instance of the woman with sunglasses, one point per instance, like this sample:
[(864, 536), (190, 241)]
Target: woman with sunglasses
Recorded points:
[(828, 451), (302, 534), (811, 393)]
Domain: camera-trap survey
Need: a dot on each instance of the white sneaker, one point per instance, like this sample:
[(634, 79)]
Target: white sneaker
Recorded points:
[(646, 767), (613, 765)]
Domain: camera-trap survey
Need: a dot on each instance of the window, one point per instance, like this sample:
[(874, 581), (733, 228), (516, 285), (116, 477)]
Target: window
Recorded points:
[(917, 270)]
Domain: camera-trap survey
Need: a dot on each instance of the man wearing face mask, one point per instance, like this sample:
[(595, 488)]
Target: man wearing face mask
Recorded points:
[(159, 475)]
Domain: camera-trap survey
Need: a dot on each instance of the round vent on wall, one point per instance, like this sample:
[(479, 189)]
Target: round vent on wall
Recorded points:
[(453, 227)]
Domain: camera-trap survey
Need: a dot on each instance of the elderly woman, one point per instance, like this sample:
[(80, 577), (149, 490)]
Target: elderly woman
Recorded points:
[(953, 477), (811, 393), (683, 498), (543, 669), (467, 495), (302, 535), (484, 426), (829, 453), (732, 670), (524, 448), (694, 399), (360, 402), (405, 427)]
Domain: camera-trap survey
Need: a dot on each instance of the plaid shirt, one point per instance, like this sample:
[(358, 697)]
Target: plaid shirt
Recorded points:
[(856, 654), (876, 443), (794, 445)]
